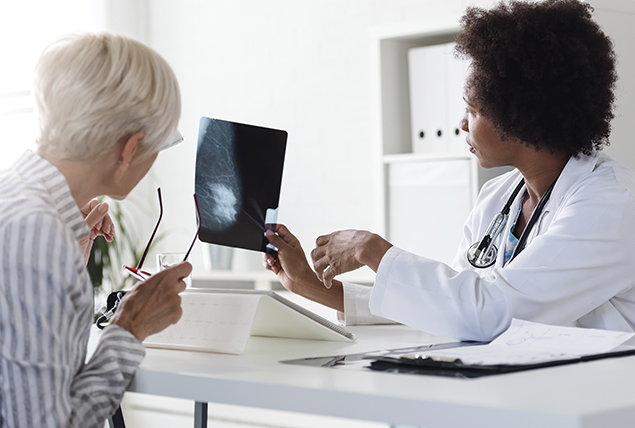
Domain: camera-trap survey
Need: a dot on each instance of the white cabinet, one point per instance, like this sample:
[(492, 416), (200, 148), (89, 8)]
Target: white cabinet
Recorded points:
[(427, 204)]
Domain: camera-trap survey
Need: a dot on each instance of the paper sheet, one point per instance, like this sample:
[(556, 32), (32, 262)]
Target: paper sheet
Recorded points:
[(210, 322), (526, 342)]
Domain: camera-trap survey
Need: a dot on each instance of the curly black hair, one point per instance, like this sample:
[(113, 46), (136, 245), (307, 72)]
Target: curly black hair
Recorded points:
[(542, 72)]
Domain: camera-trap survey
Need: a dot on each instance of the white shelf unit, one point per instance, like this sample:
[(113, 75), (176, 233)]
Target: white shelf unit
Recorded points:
[(392, 142)]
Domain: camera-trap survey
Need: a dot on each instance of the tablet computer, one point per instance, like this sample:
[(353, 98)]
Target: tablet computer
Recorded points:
[(237, 182)]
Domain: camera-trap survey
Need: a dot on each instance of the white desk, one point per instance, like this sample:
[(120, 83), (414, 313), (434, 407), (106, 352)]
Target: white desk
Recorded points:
[(596, 394)]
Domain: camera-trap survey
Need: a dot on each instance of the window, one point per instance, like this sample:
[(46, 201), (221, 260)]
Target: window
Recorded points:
[(26, 28)]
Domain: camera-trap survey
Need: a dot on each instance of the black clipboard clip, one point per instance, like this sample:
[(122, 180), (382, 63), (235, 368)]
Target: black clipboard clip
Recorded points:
[(439, 366)]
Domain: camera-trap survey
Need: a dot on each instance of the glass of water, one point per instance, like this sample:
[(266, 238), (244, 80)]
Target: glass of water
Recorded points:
[(165, 260)]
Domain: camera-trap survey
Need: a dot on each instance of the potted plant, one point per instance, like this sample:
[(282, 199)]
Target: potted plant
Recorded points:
[(106, 258)]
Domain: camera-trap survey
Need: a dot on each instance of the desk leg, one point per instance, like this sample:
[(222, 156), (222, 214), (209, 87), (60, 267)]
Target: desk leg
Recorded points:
[(200, 415), (116, 420)]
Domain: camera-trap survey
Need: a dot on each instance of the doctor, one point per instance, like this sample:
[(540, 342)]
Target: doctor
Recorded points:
[(539, 97)]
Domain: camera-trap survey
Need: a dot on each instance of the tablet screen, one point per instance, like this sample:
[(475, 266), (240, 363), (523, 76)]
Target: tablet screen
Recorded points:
[(238, 178)]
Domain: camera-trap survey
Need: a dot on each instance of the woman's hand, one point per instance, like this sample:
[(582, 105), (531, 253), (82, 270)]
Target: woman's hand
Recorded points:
[(153, 304), (295, 273), (99, 222), (347, 250)]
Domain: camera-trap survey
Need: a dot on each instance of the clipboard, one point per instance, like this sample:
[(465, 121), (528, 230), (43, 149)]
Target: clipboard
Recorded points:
[(523, 346), (410, 363)]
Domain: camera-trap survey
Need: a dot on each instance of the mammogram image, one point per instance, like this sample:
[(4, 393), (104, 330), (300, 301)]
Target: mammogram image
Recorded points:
[(238, 178)]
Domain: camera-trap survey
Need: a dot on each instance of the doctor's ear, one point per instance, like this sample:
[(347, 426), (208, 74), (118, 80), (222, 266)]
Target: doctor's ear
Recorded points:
[(128, 150)]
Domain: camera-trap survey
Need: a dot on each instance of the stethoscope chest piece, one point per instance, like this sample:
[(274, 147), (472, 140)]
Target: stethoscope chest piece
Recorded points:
[(479, 259), (483, 254)]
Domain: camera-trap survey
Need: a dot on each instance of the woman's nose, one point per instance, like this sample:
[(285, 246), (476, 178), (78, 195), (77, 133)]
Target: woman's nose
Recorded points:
[(463, 123)]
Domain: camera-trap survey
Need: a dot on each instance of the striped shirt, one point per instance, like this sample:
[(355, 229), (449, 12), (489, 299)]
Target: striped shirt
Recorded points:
[(46, 310)]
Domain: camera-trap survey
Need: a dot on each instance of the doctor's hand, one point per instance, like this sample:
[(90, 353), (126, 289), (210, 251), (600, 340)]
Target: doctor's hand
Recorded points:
[(291, 266), (294, 272), (96, 216), (153, 304), (347, 250)]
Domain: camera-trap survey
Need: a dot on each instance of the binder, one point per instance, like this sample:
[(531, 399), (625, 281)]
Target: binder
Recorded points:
[(456, 72), (436, 81), (222, 320), (427, 99)]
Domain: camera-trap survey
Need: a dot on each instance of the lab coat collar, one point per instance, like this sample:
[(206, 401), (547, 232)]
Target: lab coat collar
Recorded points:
[(572, 173)]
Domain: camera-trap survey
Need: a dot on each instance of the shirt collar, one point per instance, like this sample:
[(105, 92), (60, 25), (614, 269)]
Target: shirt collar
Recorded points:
[(38, 169)]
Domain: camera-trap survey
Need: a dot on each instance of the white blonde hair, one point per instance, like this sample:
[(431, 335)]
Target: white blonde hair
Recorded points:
[(93, 91)]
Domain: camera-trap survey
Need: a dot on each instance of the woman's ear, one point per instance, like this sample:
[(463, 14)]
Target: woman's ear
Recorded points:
[(129, 149)]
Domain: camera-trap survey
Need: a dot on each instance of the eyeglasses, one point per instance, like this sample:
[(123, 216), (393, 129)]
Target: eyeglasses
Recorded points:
[(143, 275), (174, 139)]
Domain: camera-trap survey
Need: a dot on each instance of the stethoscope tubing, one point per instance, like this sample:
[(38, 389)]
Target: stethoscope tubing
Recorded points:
[(522, 242)]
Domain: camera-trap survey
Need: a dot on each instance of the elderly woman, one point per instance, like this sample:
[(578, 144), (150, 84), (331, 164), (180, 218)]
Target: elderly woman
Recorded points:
[(539, 97), (106, 106)]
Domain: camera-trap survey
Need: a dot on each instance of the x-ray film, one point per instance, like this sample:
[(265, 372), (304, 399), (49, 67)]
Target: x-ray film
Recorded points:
[(238, 178)]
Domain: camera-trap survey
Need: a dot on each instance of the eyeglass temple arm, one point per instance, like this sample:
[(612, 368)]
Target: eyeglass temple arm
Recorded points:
[(198, 229), (154, 232)]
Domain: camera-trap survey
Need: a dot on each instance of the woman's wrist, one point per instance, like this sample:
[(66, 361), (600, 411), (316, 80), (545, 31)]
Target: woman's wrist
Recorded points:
[(373, 250)]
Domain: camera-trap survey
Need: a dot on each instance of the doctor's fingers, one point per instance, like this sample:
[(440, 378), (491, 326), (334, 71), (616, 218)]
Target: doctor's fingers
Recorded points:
[(277, 241), (286, 235), (328, 274), (318, 253), (323, 240), (270, 263), (321, 265)]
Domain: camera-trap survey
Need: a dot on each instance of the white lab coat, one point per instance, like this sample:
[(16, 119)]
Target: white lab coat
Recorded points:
[(578, 267)]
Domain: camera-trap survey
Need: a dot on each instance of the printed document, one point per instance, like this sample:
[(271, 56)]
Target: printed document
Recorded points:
[(526, 342)]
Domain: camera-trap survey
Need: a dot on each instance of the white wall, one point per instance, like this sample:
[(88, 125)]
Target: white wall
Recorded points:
[(618, 20)]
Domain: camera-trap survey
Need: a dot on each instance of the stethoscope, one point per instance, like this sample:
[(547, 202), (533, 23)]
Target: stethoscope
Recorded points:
[(483, 254)]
